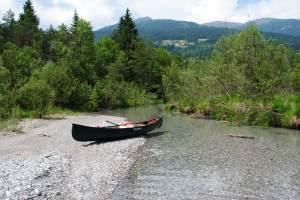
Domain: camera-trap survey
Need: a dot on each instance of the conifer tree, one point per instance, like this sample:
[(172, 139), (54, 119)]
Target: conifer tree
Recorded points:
[(7, 32), (126, 34), (27, 25), (9, 18), (74, 22)]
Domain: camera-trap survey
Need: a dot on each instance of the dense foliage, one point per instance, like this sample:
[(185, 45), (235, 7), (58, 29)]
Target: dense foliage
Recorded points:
[(246, 78), (64, 67)]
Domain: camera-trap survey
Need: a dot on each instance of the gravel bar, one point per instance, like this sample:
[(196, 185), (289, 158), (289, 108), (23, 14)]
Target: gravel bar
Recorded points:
[(34, 166)]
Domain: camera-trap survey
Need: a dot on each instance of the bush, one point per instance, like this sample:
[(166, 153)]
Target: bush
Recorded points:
[(116, 94), (59, 78), (4, 91), (80, 97), (38, 96)]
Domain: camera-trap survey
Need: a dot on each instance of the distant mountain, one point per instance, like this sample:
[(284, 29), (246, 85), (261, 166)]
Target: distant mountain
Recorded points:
[(167, 29), (189, 38), (221, 24), (282, 26)]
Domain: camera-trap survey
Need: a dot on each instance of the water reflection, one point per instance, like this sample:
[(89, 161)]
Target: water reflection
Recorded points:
[(195, 159), (137, 114)]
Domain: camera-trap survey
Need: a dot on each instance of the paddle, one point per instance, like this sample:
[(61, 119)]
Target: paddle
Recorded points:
[(112, 123)]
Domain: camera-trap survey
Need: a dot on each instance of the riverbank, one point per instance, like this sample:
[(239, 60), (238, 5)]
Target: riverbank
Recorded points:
[(58, 167), (280, 112)]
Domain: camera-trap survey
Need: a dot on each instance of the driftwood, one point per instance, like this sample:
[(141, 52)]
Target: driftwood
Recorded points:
[(44, 134), (241, 136), (47, 156)]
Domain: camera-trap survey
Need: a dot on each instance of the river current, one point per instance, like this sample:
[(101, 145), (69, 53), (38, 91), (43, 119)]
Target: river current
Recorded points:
[(196, 159)]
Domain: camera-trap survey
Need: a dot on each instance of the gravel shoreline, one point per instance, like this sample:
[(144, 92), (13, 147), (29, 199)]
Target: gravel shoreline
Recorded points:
[(33, 166)]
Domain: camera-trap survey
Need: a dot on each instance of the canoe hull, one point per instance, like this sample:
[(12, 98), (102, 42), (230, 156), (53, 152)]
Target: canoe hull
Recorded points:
[(85, 133)]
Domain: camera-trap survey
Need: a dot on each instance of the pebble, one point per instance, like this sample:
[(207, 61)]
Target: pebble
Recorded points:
[(61, 176), (37, 191), (8, 193)]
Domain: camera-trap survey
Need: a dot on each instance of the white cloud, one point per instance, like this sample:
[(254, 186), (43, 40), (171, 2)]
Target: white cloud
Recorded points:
[(106, 12), (287, 9), (99, 12), (158, 9), (210, 10), (10, 4)]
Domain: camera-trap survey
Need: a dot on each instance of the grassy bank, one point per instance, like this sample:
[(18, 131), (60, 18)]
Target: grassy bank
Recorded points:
[(12, 122), (281, 111)]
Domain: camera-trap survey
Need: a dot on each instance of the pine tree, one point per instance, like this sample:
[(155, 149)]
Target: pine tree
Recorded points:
[(27, 25), (7, 33), (74, 22), (9, 18), (126, 34)]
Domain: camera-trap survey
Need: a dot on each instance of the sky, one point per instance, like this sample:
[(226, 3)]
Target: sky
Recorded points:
[(103, 13)]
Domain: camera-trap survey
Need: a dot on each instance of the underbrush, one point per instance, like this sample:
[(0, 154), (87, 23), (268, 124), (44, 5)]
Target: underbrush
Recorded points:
[(280, 111), (12, 123)]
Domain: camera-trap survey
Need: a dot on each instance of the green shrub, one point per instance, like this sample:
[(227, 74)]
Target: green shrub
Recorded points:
[(80, 97), (13, 124), (5, 101), (60, 79), (282, 103), (94, 100), (116, 94), (38, 96)]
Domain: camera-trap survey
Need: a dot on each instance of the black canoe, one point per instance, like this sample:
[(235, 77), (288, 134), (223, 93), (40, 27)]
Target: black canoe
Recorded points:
[(87, 133)]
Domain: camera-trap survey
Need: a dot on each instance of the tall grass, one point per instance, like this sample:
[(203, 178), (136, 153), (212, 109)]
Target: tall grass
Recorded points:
[(281, 111)]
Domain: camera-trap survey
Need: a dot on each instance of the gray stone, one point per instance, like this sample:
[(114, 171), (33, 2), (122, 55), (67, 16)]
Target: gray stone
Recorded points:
[(8, 193)]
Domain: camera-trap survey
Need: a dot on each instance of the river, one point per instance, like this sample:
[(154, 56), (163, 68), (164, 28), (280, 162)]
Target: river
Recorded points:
[(196, 159)]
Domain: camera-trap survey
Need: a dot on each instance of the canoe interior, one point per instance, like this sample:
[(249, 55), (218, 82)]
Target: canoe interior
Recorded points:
[(87, 133)]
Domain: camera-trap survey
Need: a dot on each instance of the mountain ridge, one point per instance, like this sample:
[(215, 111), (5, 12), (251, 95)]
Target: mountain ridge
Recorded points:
[(163, 31), (282, 26)]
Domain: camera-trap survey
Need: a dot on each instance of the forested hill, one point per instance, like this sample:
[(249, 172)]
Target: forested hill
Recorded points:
[(167, 29), (282, 26), (160, 31)]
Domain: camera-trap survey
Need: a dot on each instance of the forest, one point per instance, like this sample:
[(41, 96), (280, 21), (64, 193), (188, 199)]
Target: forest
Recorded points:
[(246, 79)]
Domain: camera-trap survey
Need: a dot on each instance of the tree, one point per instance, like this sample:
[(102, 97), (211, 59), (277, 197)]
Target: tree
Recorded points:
[(27, 25), (244, 63), (9, 18), (143, 63), (83, 56), (60, 45), (20, 62), (7, 29), (126, 34), (74, 22), (48, 36), (118, 69), (106, 53)]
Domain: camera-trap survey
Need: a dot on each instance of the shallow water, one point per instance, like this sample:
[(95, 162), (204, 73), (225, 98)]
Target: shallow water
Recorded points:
[(195, 159)]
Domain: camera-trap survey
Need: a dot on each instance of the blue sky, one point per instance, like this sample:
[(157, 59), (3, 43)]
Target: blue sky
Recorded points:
[(245, 3), (106, 12)]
